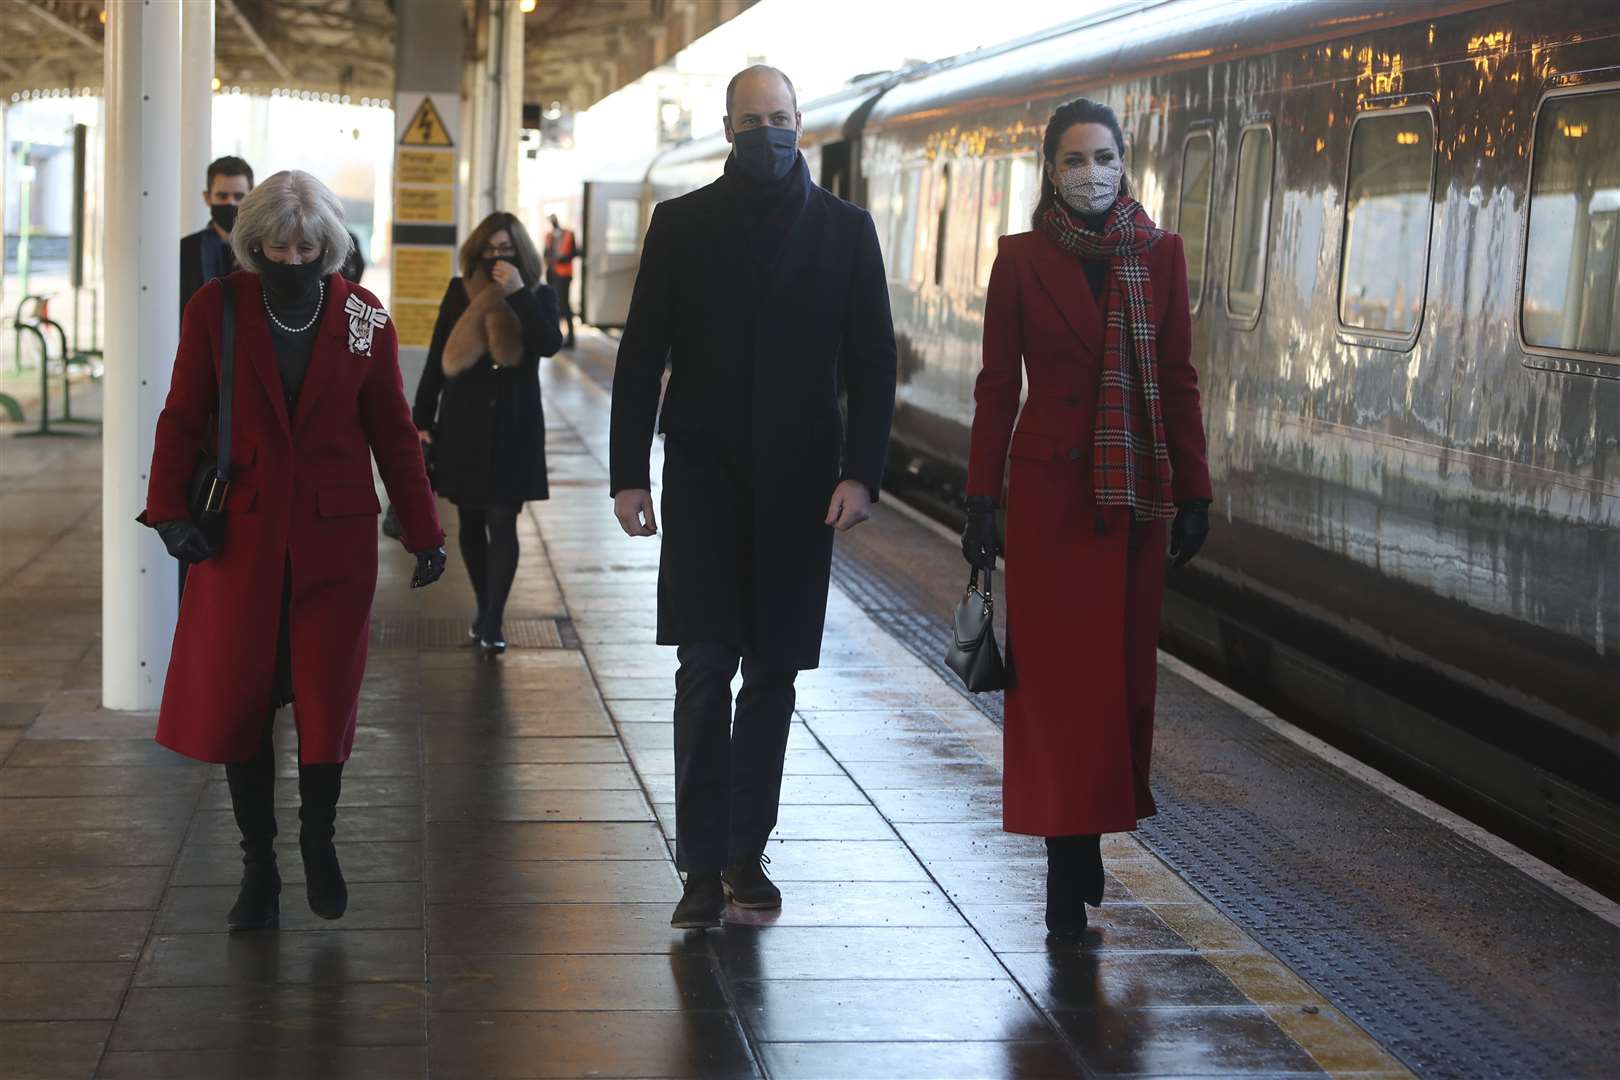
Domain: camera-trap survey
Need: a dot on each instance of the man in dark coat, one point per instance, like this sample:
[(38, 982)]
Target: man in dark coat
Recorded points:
[(206, 253), (754, 291)]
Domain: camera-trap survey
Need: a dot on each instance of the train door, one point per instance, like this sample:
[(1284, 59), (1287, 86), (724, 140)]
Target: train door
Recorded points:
[(835, 169), (613, 229)]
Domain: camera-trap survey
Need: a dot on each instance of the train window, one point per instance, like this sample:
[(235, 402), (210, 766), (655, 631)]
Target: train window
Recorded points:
[(1251, 220), (930, 191), (1389, 199), (1192, 215), (906, 198), (623, 236), (1571, 298), (961, 238), (942, 199), (1011, 187)]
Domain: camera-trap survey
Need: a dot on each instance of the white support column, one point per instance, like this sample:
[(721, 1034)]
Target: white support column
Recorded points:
[(138, 579), (196, 107), (510, 105)]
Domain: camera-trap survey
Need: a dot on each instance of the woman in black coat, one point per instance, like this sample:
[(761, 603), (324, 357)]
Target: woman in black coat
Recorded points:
[(482, 379)]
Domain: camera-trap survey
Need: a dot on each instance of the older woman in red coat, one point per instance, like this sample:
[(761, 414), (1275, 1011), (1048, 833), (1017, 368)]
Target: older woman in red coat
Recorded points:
[(280, 612), (1108, 448)]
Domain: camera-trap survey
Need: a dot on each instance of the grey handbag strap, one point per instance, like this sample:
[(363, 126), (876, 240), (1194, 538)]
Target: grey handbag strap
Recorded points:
[(227, 378)]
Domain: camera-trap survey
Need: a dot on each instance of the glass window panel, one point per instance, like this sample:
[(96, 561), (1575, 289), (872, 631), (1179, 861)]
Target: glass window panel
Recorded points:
[(1572, 262), (906, 197), (992, 215), (961, 239), (1388, 202), (1192, 219), (1246, 270), (623, 226)]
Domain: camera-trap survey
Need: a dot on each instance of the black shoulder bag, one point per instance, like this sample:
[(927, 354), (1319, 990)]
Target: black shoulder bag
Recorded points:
[(211, 478), (973, 654)]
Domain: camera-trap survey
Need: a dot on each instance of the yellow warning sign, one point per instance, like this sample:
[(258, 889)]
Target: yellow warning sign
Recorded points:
[(425, 206), (413, 322), (425, 167), (426, 128), (421, 273)]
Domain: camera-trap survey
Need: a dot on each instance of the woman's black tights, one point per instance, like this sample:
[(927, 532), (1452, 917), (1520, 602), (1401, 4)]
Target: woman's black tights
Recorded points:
[(489, 547)]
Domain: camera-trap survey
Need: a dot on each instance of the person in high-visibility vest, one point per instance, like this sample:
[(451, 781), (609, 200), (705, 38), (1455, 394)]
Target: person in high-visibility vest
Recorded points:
[(560, 251)]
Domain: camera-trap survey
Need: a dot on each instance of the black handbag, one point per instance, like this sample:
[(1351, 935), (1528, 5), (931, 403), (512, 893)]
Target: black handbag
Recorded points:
[(211, 478), (973, 654)]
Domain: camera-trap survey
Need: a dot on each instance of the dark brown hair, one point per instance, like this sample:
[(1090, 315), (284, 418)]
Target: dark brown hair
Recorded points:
[(1066, 116), (528, 256)]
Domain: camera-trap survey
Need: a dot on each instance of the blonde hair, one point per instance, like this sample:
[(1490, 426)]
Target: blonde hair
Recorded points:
[(290, 203)]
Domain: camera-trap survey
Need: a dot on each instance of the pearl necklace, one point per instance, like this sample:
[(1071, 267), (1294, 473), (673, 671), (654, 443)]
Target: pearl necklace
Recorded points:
[(292, 329)]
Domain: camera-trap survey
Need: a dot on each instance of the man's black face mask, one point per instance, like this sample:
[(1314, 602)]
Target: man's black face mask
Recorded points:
[(766, 153), (224, 215)]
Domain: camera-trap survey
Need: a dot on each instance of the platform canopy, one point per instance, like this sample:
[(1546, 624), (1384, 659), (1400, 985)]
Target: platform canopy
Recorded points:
[(576, 51)]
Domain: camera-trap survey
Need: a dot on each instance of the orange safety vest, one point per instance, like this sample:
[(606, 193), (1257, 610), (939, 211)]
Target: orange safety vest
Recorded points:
[(562, 253)]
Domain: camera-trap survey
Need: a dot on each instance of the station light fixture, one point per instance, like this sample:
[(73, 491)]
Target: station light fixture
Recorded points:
[(527, 6), (1406, 138), (1575, 131), (217, 84)]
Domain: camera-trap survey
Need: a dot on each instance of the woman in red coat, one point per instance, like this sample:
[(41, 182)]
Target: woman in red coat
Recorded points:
[(1108, 448), (281, 610)]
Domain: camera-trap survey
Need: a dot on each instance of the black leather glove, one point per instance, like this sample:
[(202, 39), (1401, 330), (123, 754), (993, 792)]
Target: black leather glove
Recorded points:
[(980, 545), (184, 540), (429, 567), (1188, 531)]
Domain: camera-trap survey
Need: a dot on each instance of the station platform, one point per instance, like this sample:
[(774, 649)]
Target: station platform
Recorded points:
[(506, 831)]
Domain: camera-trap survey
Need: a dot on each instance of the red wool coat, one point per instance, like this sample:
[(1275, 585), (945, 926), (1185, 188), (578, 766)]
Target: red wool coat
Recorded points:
[(1082, 608), (301, 495)]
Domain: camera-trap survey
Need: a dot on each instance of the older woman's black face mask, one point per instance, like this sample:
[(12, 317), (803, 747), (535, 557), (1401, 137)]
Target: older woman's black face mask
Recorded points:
[(289, 284)]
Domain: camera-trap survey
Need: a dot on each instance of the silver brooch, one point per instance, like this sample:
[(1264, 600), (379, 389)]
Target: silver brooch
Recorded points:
[(364, 321)]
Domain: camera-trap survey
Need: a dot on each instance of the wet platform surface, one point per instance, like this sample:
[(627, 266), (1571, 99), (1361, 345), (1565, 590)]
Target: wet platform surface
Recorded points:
[(505, 830)]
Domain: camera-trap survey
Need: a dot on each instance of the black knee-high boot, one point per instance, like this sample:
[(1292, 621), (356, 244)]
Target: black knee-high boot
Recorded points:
[(318, 790), (253, 786), (1074, 878), (1065, 909)]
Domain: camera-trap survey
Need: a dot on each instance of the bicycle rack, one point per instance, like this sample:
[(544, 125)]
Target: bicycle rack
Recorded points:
[(36, 326)]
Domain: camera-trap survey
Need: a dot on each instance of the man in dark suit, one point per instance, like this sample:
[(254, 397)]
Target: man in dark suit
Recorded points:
[(206, 254), (760, 292)]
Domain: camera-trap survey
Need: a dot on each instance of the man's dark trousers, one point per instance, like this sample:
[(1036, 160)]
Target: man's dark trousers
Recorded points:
[(728, 773)]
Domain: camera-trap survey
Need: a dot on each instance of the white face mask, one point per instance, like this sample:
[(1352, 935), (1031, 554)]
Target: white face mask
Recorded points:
[(1090, 188)]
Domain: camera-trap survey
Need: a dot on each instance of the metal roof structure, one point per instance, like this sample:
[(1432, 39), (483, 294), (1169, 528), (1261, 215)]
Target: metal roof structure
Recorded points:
[(576, 51)]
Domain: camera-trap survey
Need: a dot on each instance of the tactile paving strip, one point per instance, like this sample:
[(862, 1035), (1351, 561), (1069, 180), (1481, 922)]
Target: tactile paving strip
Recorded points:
[(411, 632), (1442, 1003)]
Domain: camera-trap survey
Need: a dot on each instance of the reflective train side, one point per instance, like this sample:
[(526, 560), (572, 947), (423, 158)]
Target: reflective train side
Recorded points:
[(1404, 243)]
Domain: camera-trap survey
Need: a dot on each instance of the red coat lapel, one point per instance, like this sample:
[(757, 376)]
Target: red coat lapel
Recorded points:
[(253, 343), (1065, 283)]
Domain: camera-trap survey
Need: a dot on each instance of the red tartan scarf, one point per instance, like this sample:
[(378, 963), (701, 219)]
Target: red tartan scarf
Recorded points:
[(1130, 463)]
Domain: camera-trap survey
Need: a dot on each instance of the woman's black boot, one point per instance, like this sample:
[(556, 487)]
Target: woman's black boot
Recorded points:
[(252, 784), (1065, 901), (1091, 869), (318, 789)]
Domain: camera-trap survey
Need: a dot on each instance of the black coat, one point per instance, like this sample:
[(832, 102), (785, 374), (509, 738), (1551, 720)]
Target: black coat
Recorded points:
[(754, 441), (490, 442), (200, 263)]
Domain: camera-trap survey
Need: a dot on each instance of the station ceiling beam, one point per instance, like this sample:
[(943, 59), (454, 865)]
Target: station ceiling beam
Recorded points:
[(60, 25), (253, 34)]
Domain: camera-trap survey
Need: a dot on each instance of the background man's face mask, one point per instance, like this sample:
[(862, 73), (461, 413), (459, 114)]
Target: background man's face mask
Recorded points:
[(1090, 188), (224, 215), (766, 153)]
